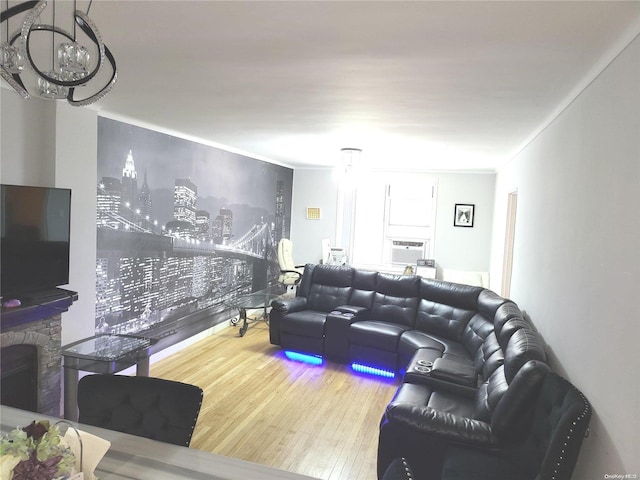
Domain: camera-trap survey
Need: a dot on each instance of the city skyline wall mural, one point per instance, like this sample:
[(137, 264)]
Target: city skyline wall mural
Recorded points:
[(182, 228)]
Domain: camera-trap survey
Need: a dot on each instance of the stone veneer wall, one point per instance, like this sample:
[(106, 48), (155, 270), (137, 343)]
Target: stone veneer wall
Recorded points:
[(46, 335)]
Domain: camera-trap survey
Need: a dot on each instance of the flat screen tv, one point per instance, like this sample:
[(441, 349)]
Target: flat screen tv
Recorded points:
[(34, 253)]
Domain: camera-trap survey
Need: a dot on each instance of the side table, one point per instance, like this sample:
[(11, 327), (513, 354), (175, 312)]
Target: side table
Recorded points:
[(105, 354), (256, 300)]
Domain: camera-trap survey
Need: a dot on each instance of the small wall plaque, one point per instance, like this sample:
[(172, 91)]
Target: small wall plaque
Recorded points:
[(313, 213)]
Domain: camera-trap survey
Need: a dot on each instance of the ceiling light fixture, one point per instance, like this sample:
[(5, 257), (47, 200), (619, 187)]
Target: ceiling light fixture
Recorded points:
[(72, 65), (350, 157)]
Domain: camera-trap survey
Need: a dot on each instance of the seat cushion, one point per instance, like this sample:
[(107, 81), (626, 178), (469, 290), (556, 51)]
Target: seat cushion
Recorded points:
[(380, 335), (412, 340), (307, 323), (422, 395)]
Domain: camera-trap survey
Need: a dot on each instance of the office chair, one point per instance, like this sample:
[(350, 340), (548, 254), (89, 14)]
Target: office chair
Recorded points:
[(290, 273), (155, 408)]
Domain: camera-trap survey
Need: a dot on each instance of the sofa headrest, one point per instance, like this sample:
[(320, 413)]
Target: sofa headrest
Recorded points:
[(364, 280), (504, 313), (453, 294), (364, 286), (509, 328), (523, 346), (489, 302), (334, 275), (398, 285), (305, 282)]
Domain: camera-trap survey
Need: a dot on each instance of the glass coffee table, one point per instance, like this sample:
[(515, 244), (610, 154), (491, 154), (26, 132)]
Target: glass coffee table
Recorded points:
[(251, 301), (106, 354)]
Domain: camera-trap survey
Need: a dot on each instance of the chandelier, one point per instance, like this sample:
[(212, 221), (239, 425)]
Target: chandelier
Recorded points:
[(70, 66)]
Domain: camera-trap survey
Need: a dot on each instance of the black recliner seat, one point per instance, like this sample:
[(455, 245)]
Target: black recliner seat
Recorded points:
[(375, 339), (300, 324), (423, 420), (548, 452)]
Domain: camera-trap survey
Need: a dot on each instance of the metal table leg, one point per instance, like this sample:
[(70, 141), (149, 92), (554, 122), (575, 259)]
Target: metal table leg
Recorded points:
[(71, 394)]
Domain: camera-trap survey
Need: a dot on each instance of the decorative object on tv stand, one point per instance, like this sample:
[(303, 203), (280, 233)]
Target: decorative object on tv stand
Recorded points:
[(464, 215), (55, 70)]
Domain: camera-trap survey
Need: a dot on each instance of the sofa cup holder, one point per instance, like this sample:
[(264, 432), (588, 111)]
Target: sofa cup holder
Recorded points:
[(422, 369)]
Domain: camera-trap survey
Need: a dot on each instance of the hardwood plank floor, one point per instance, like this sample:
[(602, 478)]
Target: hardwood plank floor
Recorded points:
[(259, 406)]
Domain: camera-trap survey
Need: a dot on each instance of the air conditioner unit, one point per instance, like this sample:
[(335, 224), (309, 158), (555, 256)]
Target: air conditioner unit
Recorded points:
[(407, 252)]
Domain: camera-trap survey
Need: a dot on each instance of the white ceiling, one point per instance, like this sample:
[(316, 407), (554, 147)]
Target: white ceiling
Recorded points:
[(415, 84)]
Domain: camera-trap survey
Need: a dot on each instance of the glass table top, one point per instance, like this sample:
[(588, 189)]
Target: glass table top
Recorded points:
[(106, 347), (252, 300)]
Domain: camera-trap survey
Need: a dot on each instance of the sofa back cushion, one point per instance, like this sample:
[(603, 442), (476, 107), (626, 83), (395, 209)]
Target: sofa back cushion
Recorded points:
[(489, 302), (396, 299), (511, 416), (443, 320), (475, 332), (464, 297), (330, 287), (489, 356), (363, 288), (524, 346)]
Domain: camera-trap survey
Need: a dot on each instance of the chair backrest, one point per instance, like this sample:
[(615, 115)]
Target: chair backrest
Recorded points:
[(155, 408), (285, 262), (560, 423)]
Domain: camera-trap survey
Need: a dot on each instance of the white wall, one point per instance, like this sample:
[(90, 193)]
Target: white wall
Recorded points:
[(313, 188), (76, 168), (576, 268), (462, 248), (455, 247), (28, 139), (48, 143)]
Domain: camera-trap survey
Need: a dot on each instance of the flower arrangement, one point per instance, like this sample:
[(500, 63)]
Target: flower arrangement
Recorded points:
[(35, 452)]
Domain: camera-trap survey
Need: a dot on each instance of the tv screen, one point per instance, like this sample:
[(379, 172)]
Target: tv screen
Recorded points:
[(34, 253)]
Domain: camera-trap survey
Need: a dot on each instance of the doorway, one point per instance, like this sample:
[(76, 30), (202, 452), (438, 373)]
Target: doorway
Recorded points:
[(507, 264)]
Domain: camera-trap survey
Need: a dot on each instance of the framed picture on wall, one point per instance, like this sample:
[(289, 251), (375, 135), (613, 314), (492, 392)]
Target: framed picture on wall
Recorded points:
[(463, 215)]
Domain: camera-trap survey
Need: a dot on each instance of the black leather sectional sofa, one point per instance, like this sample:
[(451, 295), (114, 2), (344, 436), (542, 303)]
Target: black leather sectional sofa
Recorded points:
[(471, 364)]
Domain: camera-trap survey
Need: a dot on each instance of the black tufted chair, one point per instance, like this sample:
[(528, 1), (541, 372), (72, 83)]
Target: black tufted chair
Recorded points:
[(149, 407), (550, 451), (399, 469)]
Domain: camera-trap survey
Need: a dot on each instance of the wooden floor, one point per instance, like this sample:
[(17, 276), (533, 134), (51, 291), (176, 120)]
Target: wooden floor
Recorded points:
[(320, 421)]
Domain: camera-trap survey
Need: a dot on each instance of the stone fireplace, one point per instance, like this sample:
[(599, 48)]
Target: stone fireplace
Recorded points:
[(34, 327)]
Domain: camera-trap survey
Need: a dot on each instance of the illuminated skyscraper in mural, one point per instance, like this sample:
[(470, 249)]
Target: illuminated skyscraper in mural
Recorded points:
[(203, 225), (144, 200), (108, 202), (223, 227), (185, 195), (280, 224), (129, 199)]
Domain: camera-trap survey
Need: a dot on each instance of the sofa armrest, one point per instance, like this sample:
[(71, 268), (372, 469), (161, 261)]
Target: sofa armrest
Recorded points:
[(336, 330), (423, 434), (444, 374), (357, 312), (289, 305), (455, 372), (279, 308), (441, 425)]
